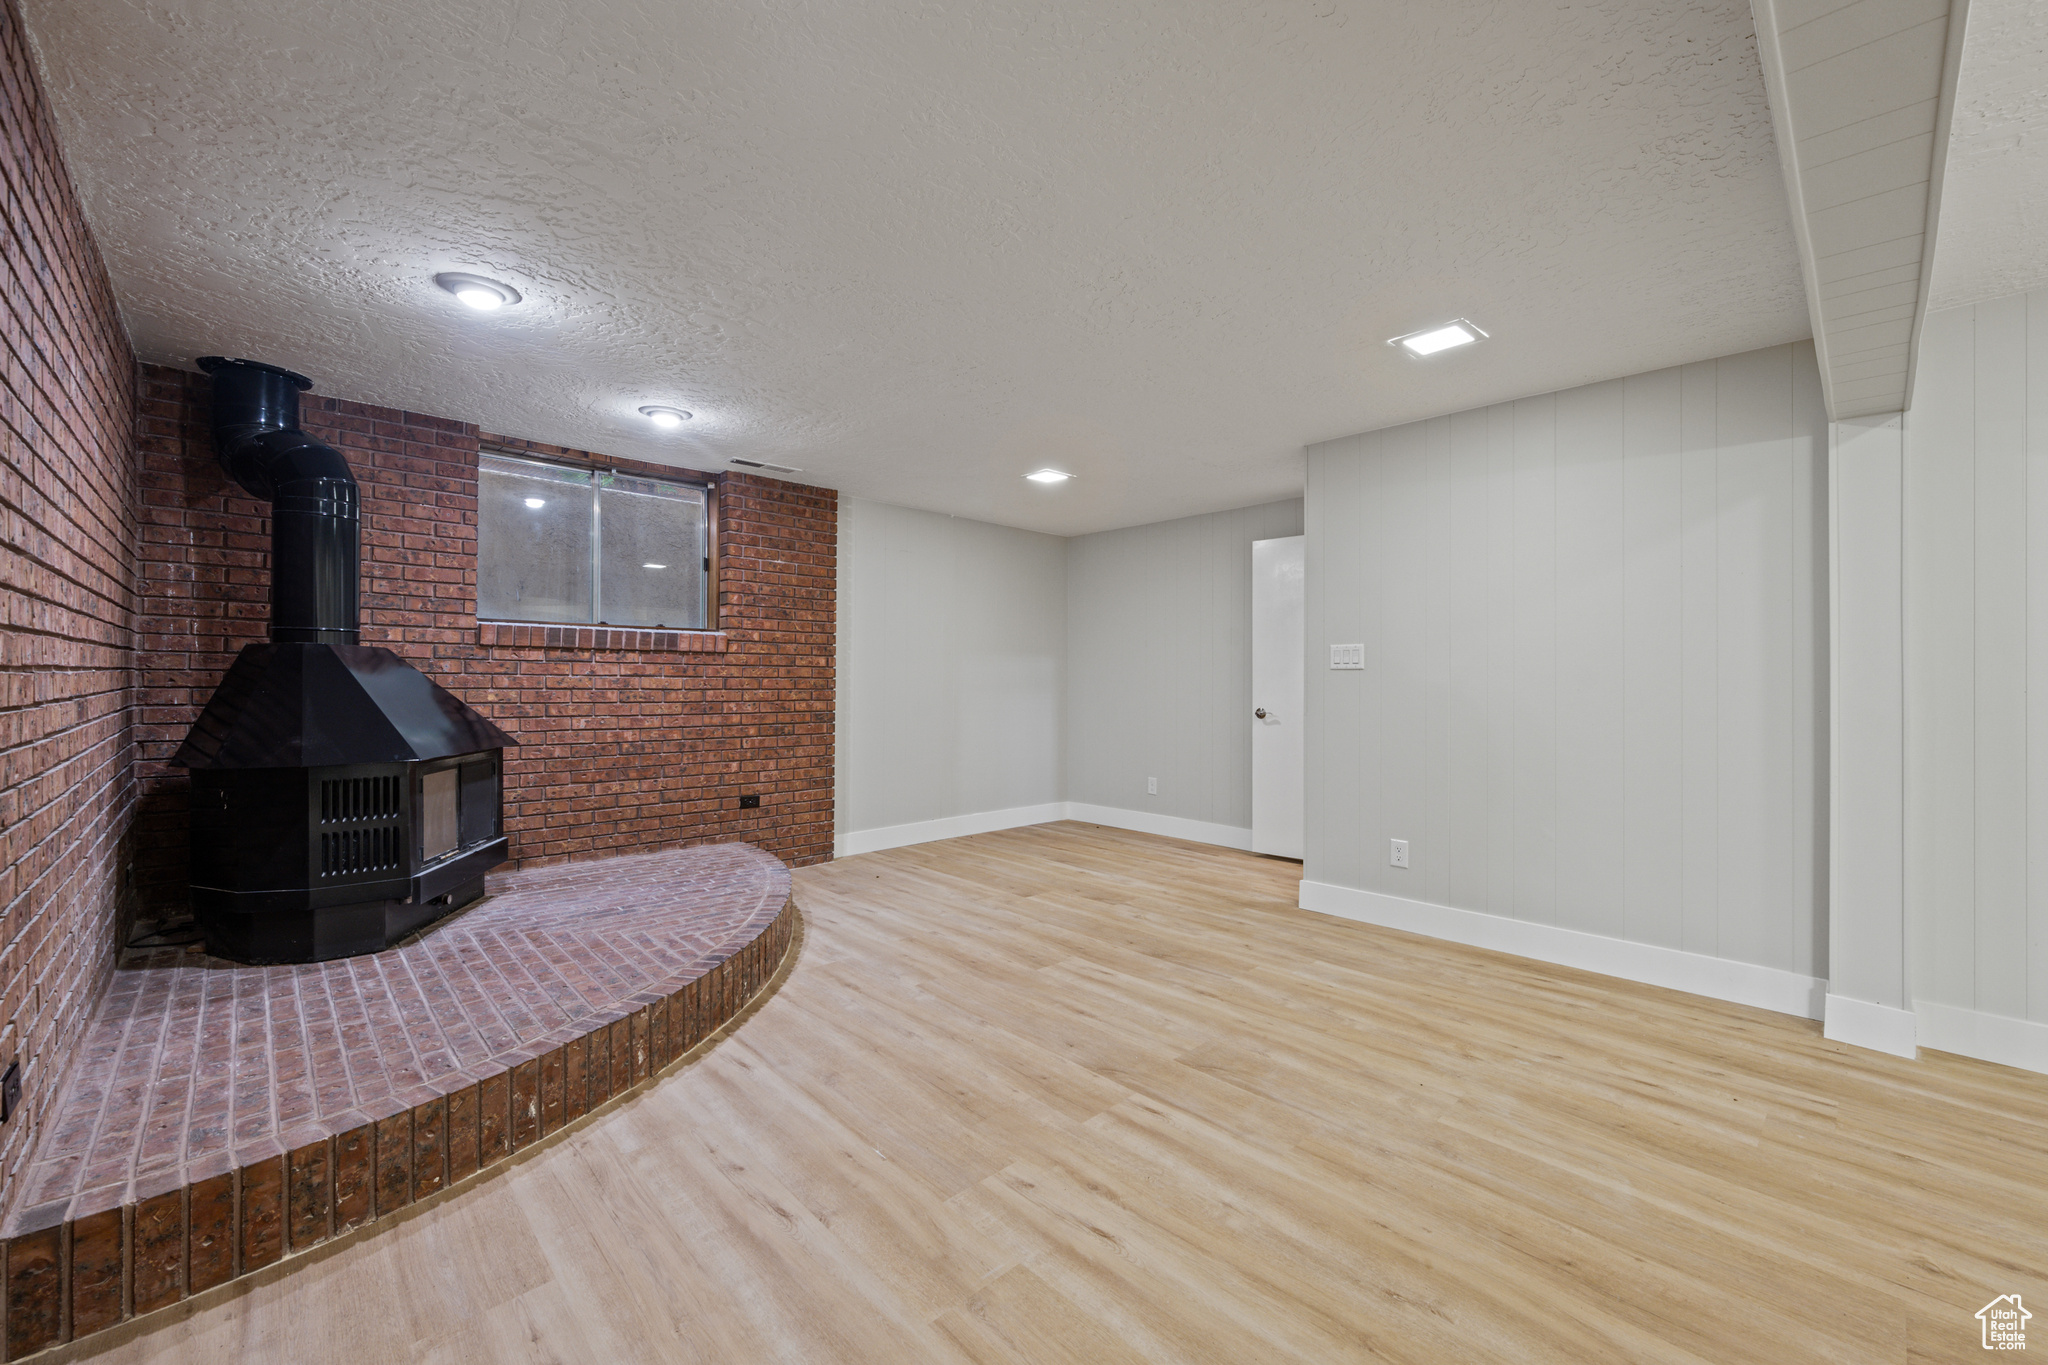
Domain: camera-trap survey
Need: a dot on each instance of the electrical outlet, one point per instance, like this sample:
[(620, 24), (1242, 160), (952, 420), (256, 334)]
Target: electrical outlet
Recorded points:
[(1151, 786), (1399, 854), (750, 803)]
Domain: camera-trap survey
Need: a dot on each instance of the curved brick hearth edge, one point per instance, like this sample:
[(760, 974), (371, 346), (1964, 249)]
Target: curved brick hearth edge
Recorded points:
[(81, 1277)]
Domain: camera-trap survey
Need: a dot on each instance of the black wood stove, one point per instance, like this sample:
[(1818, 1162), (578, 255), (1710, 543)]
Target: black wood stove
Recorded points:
[(340, 798)]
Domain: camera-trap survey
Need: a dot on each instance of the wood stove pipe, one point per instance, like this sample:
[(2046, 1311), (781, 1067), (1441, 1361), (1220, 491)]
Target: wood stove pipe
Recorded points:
[(314, 520)]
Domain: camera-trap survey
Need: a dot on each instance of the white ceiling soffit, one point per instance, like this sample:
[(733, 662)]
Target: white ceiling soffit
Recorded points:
[(1861, 95), (919, 250), (1994, 193)]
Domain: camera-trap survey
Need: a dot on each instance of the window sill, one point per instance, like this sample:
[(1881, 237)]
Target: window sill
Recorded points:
[(522, 635)]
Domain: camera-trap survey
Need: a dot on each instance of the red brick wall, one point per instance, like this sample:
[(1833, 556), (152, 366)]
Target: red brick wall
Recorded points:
[(67, 521), (621, 749)]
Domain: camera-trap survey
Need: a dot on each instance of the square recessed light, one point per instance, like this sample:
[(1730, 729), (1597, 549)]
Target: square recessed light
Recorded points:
[(1048, 476), (1430, 340)]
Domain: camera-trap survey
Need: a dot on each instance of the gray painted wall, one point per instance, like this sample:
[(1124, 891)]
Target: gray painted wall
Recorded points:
[(1159, 663), (1976, 644), (985, 669), (1866, 819), (951, 667), (1595, 627)]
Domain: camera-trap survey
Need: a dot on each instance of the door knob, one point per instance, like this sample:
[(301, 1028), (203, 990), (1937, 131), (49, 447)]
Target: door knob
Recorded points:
[(1260, 713)]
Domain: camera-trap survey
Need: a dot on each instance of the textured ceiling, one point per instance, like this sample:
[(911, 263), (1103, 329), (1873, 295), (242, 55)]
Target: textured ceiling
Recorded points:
[(920, 249), (1994, 201)]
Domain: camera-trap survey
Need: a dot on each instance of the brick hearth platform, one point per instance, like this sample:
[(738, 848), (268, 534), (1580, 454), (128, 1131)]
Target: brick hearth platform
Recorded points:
[(220, 1117)]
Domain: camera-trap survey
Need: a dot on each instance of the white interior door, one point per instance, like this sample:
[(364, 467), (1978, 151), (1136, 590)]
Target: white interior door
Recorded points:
[(1279, 590)]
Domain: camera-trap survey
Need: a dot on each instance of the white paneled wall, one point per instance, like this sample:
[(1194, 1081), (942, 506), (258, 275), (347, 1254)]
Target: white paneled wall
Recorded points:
[(1159, 667), (1594, 698), (1867, 829), (952, 659), (1976, 632)]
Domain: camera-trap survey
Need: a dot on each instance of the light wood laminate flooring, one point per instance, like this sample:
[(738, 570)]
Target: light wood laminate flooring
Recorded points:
[(1074, 1094)]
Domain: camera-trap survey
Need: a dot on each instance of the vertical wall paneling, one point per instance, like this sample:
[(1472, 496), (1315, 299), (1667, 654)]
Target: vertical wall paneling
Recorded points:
[(1397, 594), (1535, 709), (1464, 696), (1436, 692), (1595, 654), (1976, 590), (1698, 614), (1364, 589), (1753, 413), (1811, 669), (1868, 862), (1591, 666), (1355, 603), (1999, 684), (1502, 618), (1940, 642), (1653, 670)]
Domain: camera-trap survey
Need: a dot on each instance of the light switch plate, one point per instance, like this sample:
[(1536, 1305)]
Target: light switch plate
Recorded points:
[(1347, 656)]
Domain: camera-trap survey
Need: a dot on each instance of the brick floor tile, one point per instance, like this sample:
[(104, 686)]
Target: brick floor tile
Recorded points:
[(193, 1067)]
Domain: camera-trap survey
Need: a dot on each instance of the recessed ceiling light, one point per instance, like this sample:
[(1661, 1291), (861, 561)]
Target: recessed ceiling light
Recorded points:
[(1433, 339), (1049, 476), (476, 291), (654, 566), (536, 502), (665, 418)]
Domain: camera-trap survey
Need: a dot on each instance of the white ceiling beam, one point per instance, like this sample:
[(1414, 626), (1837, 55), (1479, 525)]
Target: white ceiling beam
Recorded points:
[(1861, 98)]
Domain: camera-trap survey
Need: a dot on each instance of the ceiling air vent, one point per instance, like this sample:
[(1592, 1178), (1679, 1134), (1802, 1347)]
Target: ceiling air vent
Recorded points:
[(756, 464)]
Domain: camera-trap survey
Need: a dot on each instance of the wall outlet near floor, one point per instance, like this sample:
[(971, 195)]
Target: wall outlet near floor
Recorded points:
[(750, 803), (1398, 855), (1151, 786)]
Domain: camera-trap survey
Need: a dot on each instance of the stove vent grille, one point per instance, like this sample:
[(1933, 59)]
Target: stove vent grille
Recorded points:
[(359, 798), (346, 852)]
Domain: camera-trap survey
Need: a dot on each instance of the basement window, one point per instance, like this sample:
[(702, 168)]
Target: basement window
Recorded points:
[(566, 545)]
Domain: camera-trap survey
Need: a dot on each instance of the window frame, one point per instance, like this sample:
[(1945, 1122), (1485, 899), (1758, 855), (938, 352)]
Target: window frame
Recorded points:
[(713, 525)]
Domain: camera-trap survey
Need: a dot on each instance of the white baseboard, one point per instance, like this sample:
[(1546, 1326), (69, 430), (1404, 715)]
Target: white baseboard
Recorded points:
[(1744, 983), (1171, 826), (1862, 1023), (1987, 1037), (983, 822), (2020, 1043), (949, 827)]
